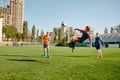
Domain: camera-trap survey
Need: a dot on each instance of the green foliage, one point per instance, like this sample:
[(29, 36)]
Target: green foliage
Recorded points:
[(29, 35), (27, 63), (71, 33), (19, 36), (55, 35), (10, 32), (25, 31), (33, 33), (37, 35), (60, 35), (106, 30), (117, 28), (41, 36), (64, 41), (112, 30)]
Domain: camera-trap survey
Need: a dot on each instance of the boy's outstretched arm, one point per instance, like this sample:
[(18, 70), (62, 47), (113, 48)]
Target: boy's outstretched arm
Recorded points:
[(77, 29)]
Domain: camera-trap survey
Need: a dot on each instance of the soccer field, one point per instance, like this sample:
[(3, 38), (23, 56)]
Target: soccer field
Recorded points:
[(27, 63)]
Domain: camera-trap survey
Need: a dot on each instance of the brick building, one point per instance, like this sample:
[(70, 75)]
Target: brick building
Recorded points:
[(13, 14)]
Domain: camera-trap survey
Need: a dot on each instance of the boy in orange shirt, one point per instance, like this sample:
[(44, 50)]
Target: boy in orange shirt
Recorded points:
[(46, 40)]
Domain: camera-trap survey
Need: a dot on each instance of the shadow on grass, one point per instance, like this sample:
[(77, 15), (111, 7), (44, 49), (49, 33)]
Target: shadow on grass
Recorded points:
[(14, 55), (30, 60), (23, 60)]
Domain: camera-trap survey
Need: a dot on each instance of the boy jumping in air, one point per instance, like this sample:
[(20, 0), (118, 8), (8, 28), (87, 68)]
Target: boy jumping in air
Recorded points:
[(98, 42), (46, 40), (85, 35)]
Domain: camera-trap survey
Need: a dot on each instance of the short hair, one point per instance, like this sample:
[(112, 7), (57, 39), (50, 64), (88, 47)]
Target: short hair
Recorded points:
[(88, 28), (97, 33), (48, 32)]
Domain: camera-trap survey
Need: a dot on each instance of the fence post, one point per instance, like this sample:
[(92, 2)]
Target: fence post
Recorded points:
[(106, 44)]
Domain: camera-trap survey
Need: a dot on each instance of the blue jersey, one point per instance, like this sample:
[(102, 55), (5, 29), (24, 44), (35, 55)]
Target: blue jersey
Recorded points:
[(98, 42)]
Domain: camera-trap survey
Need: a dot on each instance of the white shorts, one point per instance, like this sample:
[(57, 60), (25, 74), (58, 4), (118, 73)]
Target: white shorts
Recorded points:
[(99, 51)]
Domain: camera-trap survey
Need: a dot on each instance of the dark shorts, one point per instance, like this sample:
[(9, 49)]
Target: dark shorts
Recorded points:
[(45, 45), (98, 46)]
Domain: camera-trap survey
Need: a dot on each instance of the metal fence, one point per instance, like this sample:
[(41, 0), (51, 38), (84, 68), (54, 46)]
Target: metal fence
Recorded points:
[(23, 44)]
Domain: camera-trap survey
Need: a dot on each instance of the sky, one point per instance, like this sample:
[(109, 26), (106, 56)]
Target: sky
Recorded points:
[(47, 14)]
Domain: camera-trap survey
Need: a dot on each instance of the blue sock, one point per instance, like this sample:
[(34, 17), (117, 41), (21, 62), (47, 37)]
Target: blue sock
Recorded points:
[(48, 54), (44, 54)]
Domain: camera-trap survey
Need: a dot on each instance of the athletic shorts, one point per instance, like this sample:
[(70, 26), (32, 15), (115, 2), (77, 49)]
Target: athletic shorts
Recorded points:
[(45, 45)]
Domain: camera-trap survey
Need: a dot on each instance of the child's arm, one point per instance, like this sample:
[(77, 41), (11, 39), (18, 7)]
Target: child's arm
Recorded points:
[(79, 30), (101, 41), (94, 42), (90, 38)]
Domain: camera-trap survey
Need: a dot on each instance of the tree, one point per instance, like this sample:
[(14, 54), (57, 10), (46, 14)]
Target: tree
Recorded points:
[(19, 36), (25, 31), (37, 35), (10, 32), (41, 36), (112, 30), (64, 41), (60, 35), (72, 32), (55, 35), (33, 33), (29, 36), (106, 30), (117, 28)]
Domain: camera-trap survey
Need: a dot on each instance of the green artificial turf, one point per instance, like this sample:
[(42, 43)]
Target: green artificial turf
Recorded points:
[(28, 63)]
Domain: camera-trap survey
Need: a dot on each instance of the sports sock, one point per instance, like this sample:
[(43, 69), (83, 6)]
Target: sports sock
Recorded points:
[(44, 54), (48, 54)]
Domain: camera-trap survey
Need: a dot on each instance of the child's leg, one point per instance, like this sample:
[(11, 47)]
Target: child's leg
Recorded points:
[(101, 56), (44, 52), (44, 46), (48, 52), (73, 43), (73, 46), (100, 53)]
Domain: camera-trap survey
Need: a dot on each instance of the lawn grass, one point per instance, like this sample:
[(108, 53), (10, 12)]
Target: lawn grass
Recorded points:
[(27, 63)]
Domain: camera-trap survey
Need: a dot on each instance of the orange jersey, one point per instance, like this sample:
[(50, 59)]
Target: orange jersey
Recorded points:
[(46, 39)]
